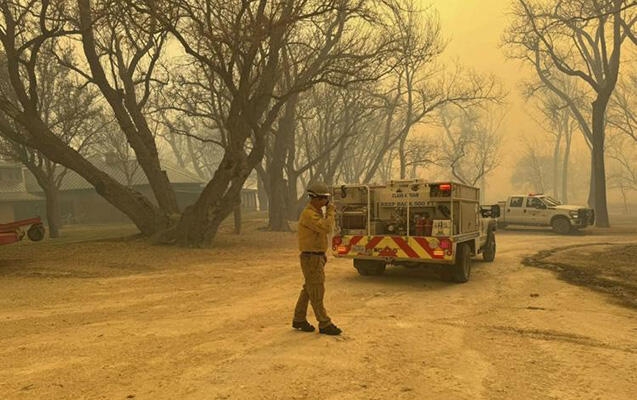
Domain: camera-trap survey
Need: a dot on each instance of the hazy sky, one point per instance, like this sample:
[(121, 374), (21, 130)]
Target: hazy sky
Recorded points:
[(474, 29)]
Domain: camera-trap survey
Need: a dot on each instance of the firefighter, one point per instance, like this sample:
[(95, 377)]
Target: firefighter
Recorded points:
[(313, 230)]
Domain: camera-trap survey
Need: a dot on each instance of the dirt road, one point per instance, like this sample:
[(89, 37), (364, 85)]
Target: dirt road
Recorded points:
[(121, 319)]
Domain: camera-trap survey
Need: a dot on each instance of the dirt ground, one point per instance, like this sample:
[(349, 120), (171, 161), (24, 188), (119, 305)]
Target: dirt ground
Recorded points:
[(102, 314)]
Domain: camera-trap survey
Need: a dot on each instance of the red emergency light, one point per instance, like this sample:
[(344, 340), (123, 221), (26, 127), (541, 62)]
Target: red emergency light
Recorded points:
[(444, 187)]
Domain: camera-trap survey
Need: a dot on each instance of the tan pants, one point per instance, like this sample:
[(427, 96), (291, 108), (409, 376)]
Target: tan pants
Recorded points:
[(313, 267)]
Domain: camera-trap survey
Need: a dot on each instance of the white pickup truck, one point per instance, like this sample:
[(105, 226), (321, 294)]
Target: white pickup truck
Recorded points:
[(542, 210)]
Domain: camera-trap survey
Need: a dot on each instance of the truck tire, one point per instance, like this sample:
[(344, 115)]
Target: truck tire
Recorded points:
[(488, 253), (561, 225), (36, 232), (462, 266), (369, 267)]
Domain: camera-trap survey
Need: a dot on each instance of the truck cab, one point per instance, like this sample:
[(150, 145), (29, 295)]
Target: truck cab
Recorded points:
[(543, 210)]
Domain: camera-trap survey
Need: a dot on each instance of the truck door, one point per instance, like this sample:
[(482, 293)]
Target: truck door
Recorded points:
[(537, 211), (514, 213)]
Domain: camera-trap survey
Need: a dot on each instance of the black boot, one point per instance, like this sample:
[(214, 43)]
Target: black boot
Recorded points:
[(303, 326), (331, 329)]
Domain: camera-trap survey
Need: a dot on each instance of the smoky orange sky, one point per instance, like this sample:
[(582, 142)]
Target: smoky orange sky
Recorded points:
[(474, 30)]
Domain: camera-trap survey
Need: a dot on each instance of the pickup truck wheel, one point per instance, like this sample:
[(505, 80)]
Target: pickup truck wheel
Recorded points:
[(462, 266), (561, 225), (488, 253), (369, 267)]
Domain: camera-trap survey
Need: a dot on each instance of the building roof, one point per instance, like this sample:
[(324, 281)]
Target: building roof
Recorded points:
[(118, 170), (11, 190), (12, 187)]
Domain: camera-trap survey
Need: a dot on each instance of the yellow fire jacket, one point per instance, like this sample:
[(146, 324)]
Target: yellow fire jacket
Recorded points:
[(314, 228)]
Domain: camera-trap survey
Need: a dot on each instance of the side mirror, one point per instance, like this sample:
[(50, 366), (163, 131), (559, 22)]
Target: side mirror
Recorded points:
[(492, 211)]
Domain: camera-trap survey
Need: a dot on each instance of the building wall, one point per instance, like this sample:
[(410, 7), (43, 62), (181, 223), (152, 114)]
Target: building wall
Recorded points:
[(6, 213), (17, 210), (29, 209), (87, 207), (249, 199)]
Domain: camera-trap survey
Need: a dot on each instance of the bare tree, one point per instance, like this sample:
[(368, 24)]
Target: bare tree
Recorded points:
[(580, 39), (470, 145), (558, 123), (24, 28), (241, 45), (622, 176), (417, 85), (190, 112), (532, 172), (68, 109), (622, 114), (129, 43), (350, 31)]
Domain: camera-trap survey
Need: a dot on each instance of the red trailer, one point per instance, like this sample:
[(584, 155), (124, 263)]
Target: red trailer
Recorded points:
[(14, 231)]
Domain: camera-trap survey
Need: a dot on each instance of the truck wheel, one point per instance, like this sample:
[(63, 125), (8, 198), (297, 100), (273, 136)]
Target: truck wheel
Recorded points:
[(369, 267), (462, 266), (561, 225), (36, 232), (488, 253)]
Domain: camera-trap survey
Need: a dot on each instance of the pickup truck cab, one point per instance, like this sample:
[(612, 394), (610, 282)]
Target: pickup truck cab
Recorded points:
[(543, 210)]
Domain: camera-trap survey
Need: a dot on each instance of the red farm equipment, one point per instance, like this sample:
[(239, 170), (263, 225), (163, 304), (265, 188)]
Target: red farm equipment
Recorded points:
[(14, 231)]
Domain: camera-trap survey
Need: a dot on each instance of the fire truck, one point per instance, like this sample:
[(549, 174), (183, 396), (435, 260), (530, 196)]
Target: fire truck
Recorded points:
[(413, 223)]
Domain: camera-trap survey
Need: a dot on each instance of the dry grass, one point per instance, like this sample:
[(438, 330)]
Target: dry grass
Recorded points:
[(606, 267), (119, 249)]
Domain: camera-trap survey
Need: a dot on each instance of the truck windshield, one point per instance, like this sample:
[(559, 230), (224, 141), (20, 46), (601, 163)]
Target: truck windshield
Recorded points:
[(551, 201)]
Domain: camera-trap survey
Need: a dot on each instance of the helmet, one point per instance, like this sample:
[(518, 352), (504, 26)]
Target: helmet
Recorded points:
[(318, 189)]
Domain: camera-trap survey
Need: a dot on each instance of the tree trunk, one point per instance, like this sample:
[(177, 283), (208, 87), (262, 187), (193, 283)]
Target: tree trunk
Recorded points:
[(625, 200), (53, 216), (599, 172), (278, 203), (567, 153), (402, 157), (200, 222), (295, 205), (278, 185), (591, 187), (262, 191), (556, 166)]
